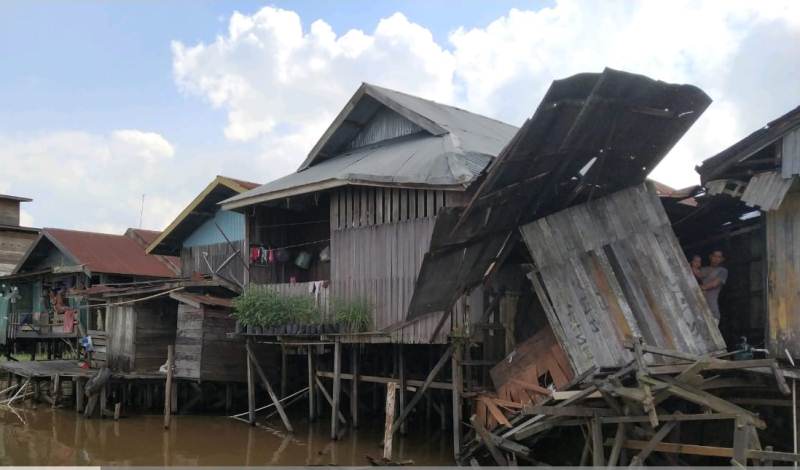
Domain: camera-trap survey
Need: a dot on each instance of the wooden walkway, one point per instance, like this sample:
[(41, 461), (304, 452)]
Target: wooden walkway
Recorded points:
[(63, 368)]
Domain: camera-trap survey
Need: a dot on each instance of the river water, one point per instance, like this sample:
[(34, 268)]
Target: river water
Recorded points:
[(44, 436)]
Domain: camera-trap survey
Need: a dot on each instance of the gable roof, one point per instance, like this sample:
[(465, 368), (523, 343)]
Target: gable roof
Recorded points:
[(713, 167), (101, 253), (198, 211), (440, 146)]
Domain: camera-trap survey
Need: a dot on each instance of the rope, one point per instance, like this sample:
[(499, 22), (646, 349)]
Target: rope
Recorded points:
[(271, 404)]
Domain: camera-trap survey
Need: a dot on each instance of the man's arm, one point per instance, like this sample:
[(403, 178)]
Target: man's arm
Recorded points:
[(712, 284)]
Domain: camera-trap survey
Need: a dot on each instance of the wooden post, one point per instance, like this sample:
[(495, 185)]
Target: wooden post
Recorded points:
[(486, 437), (251, 388), (457, 388), (228, 397), (79, 394), (270, 391), (423, 389), (387, 434), (174, 398), (284, 372), (337, 388), (741, 441), (354, 388), (168, 386), (401, 375), (56, 389), (103, 400), (117, 410), (312, 389), (598, 452)]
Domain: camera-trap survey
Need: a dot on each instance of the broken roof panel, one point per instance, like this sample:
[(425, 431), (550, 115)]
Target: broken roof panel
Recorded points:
[(592, 134), (433, 145)]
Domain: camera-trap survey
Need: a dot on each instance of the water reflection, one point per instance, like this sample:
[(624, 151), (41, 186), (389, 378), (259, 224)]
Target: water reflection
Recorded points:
[(43, 436)]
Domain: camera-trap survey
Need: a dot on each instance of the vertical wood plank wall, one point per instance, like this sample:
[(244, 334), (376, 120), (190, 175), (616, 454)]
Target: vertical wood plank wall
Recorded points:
[(378, 239), (612, 268), (783, 278)]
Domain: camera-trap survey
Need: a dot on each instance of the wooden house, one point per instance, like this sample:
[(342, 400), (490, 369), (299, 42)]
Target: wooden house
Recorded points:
[(14, 238), (357, 217), (210, 242), (750, 209), (60, 262)]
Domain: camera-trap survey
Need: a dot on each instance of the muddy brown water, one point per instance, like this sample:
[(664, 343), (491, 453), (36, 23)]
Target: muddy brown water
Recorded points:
[(43, 436)]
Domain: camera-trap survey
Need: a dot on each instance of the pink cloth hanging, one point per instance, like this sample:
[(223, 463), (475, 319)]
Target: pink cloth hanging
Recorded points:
[(69, 320)]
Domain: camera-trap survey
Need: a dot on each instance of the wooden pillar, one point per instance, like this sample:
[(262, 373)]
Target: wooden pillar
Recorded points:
[(251, 390), (354, 388), (168, 386), (337, 388), (103, 400), (387, 433), (79, 393), (312, 387), (401, 376), (228, 396), (56, 389), (508, 313), (457, 389), (284, 372), (598, 452)]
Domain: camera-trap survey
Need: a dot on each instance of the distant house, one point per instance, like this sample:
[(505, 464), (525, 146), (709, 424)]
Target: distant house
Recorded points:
[(61, 261), (358, 214), (14, 238)]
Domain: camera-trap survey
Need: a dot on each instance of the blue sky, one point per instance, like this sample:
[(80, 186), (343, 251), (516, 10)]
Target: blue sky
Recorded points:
[(102, 102)]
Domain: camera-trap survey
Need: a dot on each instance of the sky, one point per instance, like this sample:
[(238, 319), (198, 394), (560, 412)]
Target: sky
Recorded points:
[(102, 103)]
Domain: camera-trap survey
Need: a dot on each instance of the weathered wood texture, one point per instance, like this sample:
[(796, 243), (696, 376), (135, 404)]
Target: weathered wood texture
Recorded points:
[(364, 206), (380, 263), (13, 245), (138, 334), (233, 270), (9, 211), (612, 269), (203, 349), (783, 266)]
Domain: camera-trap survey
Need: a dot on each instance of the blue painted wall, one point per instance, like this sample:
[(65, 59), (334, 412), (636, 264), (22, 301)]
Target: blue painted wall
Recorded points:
[(232, 223)]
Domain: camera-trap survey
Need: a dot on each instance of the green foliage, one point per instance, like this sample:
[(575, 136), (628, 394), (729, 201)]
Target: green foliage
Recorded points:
[(353, 315), (258, 306)]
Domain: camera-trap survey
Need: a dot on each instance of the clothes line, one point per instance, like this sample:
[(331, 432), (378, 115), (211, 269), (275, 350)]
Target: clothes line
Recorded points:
[(132, 301), (291, 246)]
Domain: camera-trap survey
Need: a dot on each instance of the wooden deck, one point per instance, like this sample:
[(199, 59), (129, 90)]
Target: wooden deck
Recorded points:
[(63, 368)]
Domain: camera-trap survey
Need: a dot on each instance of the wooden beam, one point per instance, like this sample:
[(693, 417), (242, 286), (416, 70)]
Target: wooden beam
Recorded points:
[(486, 437), (167, 386), (354, 387), (410, 383), (251, 388), (270, 391), (598, 453), (337, 388), (659, 436), (425, 385), (328, 398), (456, 392), (388, 433), (616, 450), (401, 375), (311, 380), (709, 451)]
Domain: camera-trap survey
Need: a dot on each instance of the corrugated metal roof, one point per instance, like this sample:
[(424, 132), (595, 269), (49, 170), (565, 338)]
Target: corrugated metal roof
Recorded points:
[(15, 198), (766, 190), (592, 134), (105, 253), (450, 151)]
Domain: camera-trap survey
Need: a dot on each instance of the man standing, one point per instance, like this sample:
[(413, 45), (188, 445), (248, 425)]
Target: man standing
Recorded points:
[(712, 278)]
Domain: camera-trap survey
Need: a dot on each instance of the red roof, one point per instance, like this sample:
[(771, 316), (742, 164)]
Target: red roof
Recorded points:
[(243, 183), (104, 253)]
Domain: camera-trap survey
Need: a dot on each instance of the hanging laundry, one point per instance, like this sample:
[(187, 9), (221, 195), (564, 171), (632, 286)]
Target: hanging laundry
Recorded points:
[(255, 253), (69, 320), (271, 256)]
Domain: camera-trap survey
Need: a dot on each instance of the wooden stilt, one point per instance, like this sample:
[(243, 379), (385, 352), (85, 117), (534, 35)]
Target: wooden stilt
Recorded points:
[(354, 388), (228, 397), (457, 389), (337, 388), (270, 391), (56, 389), (421, 391), (251, 388), (168, 386), (401, 375), (79, 394), (387, 435), (598, 452), (312, 393), (284, 372), (619, 439), (327, 397), (174, 398), (484, 435), (117, 410)]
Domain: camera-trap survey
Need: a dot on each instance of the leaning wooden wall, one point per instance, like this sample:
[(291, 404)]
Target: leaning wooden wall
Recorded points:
[(378, 239), (156, 322), (188, 342), (783, 277), (612, 269), (120, 341)]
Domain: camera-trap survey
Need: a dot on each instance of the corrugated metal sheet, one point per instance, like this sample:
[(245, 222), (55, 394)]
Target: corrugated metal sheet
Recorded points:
[(232, 223), (104, 253), (766, 190), (783, 267), (385, 124), (623, 122), (790, 154), (612, 269)]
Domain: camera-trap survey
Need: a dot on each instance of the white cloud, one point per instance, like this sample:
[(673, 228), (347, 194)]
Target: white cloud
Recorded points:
[(94, 182), (281, 85)]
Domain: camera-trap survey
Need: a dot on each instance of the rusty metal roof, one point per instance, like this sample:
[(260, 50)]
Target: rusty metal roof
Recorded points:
[(105, 253), (591, 135)]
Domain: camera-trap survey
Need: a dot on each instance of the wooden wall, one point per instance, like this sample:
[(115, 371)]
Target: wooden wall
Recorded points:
[(13, 245), (783, 277), (137, 335), (612, 269), (203, 350), (192, 260), (9, 212)]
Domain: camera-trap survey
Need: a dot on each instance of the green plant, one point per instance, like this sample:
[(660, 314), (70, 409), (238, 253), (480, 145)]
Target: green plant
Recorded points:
[(258, 306), (354, 315)]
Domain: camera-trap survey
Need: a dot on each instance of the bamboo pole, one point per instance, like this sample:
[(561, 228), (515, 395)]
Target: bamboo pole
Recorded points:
[(168, 386)]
